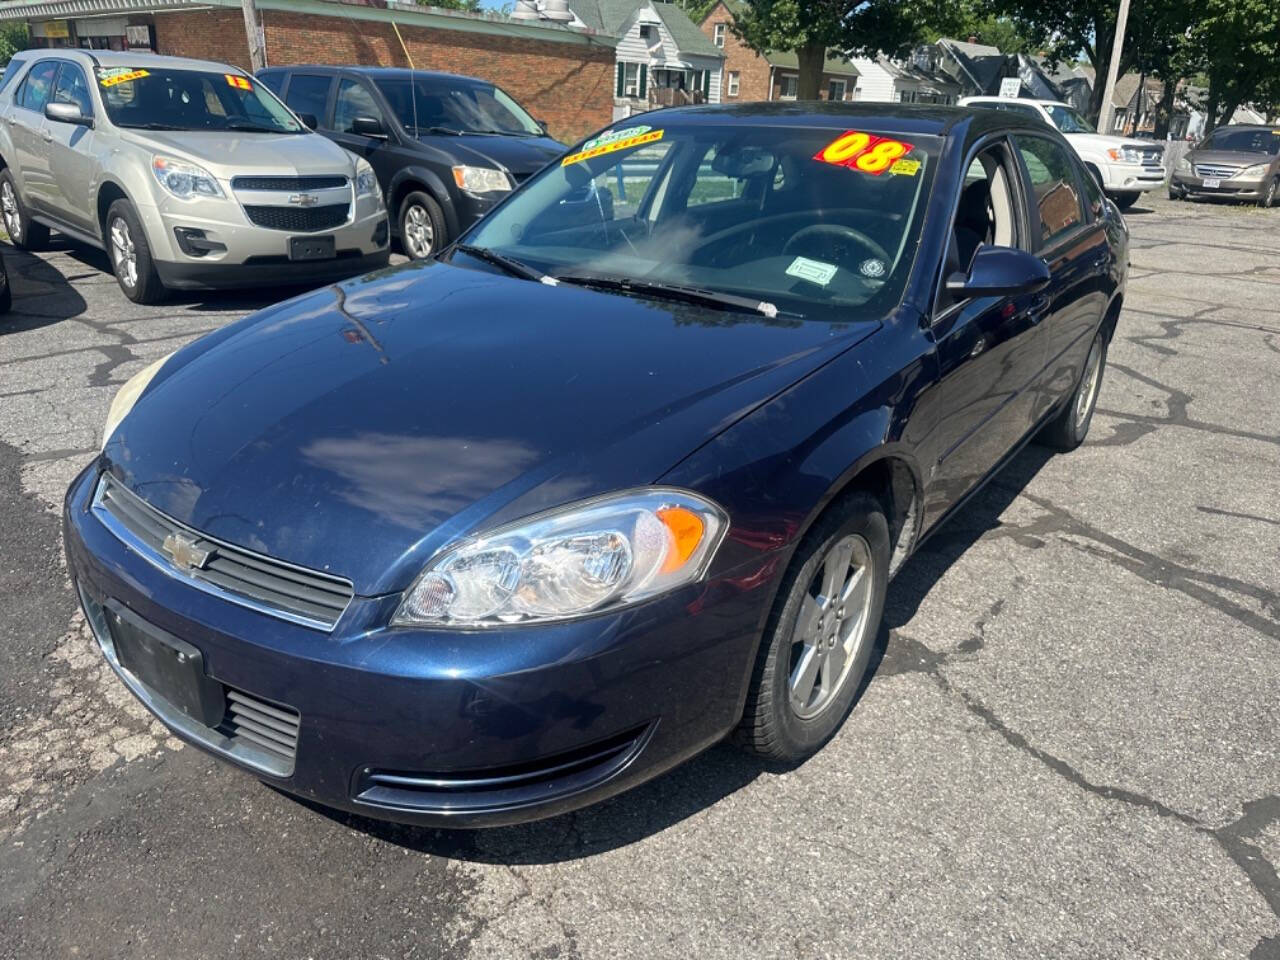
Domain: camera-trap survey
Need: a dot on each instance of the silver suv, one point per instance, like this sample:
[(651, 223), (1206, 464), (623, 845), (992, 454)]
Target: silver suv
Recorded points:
[(190, 174)]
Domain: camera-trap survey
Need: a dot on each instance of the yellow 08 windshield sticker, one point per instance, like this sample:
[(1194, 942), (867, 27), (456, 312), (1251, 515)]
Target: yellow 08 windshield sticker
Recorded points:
[(609, 143), (867, 153), (112, 79)]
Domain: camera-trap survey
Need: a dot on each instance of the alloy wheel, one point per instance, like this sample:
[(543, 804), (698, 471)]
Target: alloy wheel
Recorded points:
[(831, 628), (419, 234), (123, 253), (9, 209), (1088, 391), (1270, 200)]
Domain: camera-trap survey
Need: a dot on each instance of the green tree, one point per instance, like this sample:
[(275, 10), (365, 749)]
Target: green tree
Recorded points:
[(974, 18), (856, 27), (1236, 45), (13, 37)]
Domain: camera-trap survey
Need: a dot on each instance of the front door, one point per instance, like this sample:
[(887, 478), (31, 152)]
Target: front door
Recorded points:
[(354, 100), (72, 150), (989, 350)]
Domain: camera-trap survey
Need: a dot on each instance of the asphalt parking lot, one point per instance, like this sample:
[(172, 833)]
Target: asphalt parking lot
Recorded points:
[(1070, 746)]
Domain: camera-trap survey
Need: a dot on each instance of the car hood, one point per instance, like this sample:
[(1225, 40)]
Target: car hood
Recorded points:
[(1233, 158), (521, 155), (359, 428), (227, 153)]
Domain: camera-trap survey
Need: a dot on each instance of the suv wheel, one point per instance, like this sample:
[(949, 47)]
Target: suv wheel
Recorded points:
[(1126, 200), (23, 233), (130, 255), (422, 228)]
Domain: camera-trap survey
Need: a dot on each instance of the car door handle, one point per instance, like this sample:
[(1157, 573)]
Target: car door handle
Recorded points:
[(978, 346)]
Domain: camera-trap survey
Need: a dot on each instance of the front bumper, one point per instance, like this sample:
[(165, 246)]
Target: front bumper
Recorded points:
[(1234, 188), (446, 728), (1132, 177)]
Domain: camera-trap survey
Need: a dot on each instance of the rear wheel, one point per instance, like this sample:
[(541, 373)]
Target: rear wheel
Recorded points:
[(24, 233), (1273, 190), (1067, 430), (131, 256), (1126, 200), (422, 228), (820, 636)]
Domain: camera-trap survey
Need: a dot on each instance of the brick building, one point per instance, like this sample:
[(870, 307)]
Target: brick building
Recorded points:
[(561, 74), (775, 76)]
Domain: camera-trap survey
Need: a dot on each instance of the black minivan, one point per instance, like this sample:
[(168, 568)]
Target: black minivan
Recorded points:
[(446, 148)]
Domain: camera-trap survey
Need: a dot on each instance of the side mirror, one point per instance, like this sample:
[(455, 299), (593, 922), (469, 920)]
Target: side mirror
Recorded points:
[(309, 119), (67, 113), (542, 125), (367, 127), (1000, 272)]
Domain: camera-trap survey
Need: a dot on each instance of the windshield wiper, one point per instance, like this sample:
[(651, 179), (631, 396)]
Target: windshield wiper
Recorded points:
[(250, 127), (675, 291), (152, 125), (450, 131), (509, 264)]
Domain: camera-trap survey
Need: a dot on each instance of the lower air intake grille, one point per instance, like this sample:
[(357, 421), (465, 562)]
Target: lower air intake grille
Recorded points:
[(250, 579), (299, 219), (267, 726)]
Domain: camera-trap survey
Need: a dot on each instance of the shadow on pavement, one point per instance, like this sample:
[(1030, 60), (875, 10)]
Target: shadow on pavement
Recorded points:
[(41, 294)]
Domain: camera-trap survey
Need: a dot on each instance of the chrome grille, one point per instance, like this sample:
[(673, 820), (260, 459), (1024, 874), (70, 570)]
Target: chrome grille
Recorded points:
[(287, 183), (299, 219), (241, 576), (271, 727), (1152, 156), (1220, 171)]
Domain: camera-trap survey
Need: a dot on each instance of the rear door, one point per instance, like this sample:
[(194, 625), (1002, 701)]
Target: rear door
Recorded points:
[(354, 99), (73, 153), (27, 128), (1065, 212)]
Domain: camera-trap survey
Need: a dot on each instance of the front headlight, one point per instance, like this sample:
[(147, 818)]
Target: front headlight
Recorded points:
[(1255, 172), (366, 181), (587, 557), (481, 179), (184, 180), (128, 395), (1183, 165), (1125, 154)]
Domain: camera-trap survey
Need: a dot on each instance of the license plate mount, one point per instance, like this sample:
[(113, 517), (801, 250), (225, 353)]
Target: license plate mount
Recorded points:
[(166, 665), (311, 248)]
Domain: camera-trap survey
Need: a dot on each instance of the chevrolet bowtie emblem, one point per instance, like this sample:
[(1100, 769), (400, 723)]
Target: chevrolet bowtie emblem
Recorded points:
[(304, 199), (184, 553)]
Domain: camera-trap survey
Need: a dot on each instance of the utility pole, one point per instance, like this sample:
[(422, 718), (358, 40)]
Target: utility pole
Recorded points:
[(257, 55), (1113, 68)]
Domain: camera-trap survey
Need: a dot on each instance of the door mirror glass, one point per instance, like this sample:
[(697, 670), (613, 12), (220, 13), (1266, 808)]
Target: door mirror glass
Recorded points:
[(367, 127), (1000, 272), (66, 113)]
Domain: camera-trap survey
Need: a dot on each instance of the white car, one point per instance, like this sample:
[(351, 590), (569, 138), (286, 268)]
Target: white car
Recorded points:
[(1125, 168)]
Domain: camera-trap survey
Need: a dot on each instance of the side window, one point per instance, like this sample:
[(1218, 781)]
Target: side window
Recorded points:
[(38, 85), (272, 81), (1093, 199), (985, 209), (12, 70), (354, 100), (310, 94), (74, 88), (1057, 199)]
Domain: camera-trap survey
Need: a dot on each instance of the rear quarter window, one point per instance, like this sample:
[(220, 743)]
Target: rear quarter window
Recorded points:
[(11, 72)]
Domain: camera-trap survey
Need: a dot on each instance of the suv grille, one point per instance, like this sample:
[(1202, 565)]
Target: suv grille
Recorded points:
[(287, 183), (299, 219), (1219, 170), (270, 586)]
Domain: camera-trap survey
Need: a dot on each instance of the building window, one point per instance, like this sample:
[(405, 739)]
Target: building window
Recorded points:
[(719, 31), (733, 83), (632, 80), (649, 33), (835, 90), (788, 84)]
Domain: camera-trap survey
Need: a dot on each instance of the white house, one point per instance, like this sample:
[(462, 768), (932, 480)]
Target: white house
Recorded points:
[(916, 80), (663, 59)]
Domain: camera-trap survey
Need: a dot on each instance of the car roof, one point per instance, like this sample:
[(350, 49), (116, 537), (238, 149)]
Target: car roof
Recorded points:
[(1247, 126), (114, 58), (386, 72), (1043, 103), (897, 118)]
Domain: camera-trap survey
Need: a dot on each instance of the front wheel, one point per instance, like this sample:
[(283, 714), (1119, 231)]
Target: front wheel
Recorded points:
[(1273, 190), (1067, 430), (422, 227), (1126, 200), (819, 639), (131, 256), (24, 233)]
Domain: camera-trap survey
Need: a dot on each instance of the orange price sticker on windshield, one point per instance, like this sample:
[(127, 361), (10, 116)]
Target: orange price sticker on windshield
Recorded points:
[(864, 152), (240, 83)]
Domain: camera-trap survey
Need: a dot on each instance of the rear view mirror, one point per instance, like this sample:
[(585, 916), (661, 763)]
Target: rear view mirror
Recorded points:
[(367, 127), (67, 113), (743, 162), (1000, 272)]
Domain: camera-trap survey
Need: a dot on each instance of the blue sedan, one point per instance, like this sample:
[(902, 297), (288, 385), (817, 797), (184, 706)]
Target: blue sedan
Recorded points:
[(624, 471)]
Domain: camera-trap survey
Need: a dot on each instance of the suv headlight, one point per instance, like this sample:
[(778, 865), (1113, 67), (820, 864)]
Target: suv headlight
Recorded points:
[(366, 181), (1255, 172), (596, 555), (184, 180), (1125, 154), (128, 395), (1183, 165), (481, 179)]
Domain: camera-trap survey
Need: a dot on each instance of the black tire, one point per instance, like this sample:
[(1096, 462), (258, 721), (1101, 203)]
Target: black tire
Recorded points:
[(1126, 200), (773, 724), (142, 283), (421, 238), (1273, 193), (1175, 194), (24, 233), (6, 293), (1070, 425)]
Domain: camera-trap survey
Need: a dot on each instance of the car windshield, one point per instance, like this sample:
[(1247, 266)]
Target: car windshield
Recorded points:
[(810, 222), (1068, 121), (1243, 141), (451, 106), (151, 98)]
